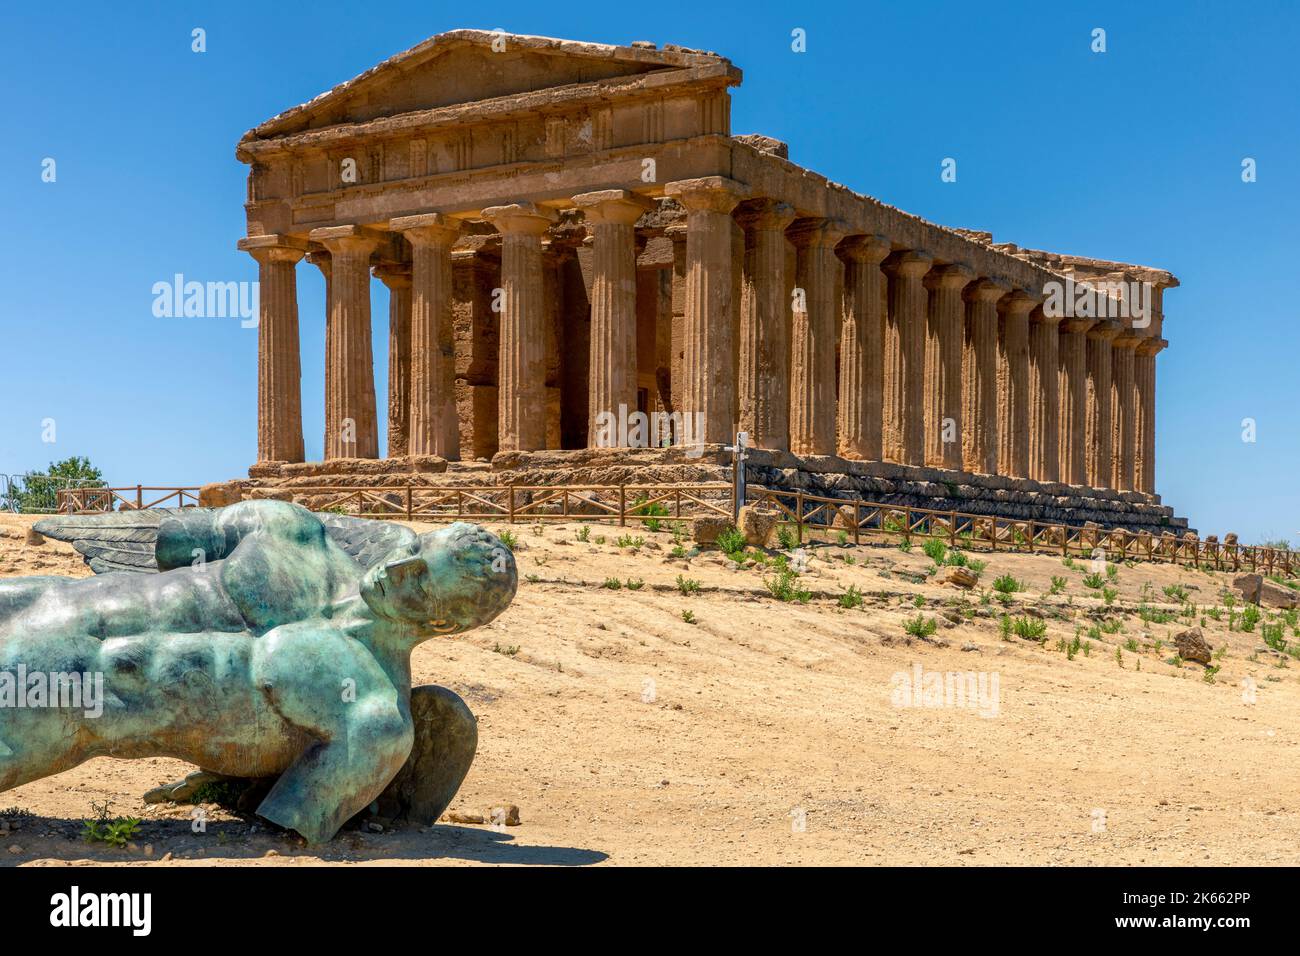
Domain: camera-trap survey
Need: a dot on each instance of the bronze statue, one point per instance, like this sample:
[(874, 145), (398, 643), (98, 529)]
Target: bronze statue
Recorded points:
[(272, 642)]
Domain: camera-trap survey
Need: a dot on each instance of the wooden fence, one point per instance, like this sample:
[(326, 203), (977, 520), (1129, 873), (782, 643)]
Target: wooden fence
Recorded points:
[(807, 513)]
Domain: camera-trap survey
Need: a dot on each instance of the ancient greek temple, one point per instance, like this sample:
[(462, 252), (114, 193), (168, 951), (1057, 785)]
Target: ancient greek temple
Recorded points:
[(570, 231)]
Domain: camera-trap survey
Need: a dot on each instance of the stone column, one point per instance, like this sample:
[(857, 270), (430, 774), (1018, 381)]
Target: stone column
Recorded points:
[(979, 375), (812, 339), (677, 365), (612, 215), (397, 278), (1073, 395), (1013, 384), (1123, 410), (904, 425), (1144, 388), (944, 332), (351, 428), (764, 381), (434, 426), (521, 379), (708, 390), (1097, 435), (279, 364), (862, 342), (1044, 401)]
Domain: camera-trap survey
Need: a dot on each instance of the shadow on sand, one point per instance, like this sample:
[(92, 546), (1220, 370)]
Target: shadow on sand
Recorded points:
[(52, 838)]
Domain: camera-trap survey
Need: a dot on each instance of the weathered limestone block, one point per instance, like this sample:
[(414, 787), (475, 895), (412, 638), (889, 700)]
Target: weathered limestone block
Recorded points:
[(1192, 646), (218, 494), (706, 528), (758, 524), (1250, 586)]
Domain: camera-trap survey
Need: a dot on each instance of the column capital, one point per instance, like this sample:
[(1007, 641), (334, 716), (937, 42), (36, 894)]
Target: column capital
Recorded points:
[(432, 227), (620, 206), (273, 248), (815, 233), (1040, 317), (322, 260), (909, 263), (1105, 330), (764, 214), (985, 290), (1076, 323), (395, 275), (871, 249), (954, 276), (676, 233), (1150, 345), (521, 218), (1018, 304), (707, 194), (344, 239), (1128, 339)]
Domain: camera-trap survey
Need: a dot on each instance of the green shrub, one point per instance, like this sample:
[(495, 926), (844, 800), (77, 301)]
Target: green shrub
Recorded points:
[(921, 626), (1030, 628), (783, 587), (851, 598), (688, 586), (732, 540)]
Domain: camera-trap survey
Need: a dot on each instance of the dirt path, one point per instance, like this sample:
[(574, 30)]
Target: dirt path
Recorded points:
[(629, 735)]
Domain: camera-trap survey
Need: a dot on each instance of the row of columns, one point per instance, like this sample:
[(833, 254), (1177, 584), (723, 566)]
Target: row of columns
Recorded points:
[(937, 366)]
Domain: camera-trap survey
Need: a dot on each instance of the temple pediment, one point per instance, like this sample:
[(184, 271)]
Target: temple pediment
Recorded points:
[(472, 66)]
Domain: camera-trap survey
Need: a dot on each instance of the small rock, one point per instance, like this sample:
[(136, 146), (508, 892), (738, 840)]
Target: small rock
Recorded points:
[(15, 848), (1249, 585), (35, 538), (706, 528), (968, 646), (507, 814), (166, 856), (960, 577), (758, 524), (374, 827), (268, 853), (456, 816), (1193, 647)]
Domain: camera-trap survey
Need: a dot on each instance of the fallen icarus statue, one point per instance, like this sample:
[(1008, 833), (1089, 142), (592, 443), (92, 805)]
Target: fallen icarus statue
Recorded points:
[(272, 643)]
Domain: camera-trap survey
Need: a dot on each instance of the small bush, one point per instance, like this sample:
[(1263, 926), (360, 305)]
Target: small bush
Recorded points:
[(1030, 628), (1006, 584), (851, 598), (921, 626), (1058, 585), (732, 540), (785, 538), (935, 550), (688, 586), (508, 539), (783, 587)]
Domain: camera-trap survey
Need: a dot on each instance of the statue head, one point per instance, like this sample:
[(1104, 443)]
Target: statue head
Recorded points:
[(450, 580)]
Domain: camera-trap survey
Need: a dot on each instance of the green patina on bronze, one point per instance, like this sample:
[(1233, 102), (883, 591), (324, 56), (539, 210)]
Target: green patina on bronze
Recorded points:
[(273, 642)]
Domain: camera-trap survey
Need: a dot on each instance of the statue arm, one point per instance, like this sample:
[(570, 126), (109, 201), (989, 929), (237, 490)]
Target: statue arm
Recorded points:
[(212, 534), (331, 687)]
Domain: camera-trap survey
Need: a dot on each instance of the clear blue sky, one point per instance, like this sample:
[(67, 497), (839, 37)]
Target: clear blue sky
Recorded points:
[(1134, 154)]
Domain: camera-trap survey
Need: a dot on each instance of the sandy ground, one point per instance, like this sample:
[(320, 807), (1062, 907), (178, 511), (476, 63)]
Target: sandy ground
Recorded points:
[(764, 732)]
